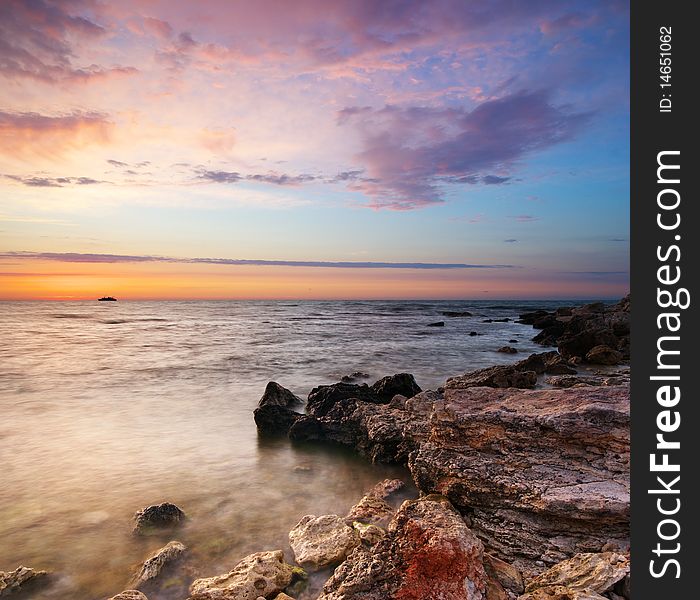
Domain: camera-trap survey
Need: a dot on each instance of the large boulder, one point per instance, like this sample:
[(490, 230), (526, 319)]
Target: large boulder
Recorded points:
[(324, 397), (321, 541), (154, 565), (428, 553), (542, 474), (157, 517), (262, 574), (401, 383), (276, 395), (273, 419), (22, 579), (501, 376)]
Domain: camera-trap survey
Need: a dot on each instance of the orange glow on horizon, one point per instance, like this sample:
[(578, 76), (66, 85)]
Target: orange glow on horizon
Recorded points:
[(47, 280)]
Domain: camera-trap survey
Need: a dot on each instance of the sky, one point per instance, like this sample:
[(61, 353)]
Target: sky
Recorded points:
[(311, 149)]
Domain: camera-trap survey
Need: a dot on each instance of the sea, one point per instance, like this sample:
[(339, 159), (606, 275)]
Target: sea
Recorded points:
[(108, 407)]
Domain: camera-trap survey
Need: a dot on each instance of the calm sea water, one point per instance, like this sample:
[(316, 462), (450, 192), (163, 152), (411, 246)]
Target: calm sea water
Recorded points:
[(109, 407)]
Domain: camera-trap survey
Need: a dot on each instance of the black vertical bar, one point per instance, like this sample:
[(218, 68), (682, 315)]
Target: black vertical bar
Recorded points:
[(663, 107)]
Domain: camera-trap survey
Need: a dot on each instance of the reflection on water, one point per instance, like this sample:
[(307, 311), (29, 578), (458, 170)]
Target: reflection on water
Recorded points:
[(107, 408)]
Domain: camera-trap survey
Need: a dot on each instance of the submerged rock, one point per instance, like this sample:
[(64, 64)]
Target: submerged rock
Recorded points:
[(158, 516), (154, 564), (508, 350), (455, 313), (262, 574), (437, 324), (22, 579), (428, 553), (356, 376), (542, 474), (321, 541)]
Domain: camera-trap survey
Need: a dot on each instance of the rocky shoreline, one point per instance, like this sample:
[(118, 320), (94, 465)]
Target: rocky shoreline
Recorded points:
[(522, 469)]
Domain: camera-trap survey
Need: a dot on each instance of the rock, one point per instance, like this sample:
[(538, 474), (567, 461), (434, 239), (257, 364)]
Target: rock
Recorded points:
[(273, 419), (542, 474), (506, 575), (603, 355), (508, 350), (403, 384), (324, 397), (428, 553), (593, 571), (369, 534), (558, 592), (512, 341), (158, 516), (22, 579), (529, 318), (370, 510), (387, 487), (356, 376), (474, 334), (437, 324), (456, 313), (321, 541), (154, 564), (262, 574), (283, 596), (567, 381), (501, 376), (564, 311), (276, 395), (130, 595)]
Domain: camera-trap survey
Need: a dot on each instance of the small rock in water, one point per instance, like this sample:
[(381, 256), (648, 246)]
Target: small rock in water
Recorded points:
[(437, 324), (158, 516), (474, 333), (356, 376), (129, 595), (508, 350), (20, 580), (154, 564), (512, 341), (321, 541), (456, 313), (262, 574), (276, 395)]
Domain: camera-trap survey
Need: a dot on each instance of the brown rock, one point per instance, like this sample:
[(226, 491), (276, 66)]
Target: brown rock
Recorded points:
[(130, 595), (276, 395), (158, 516), (558, 592), (603, 355), (154, 564), (508, 350), (321, 541), (371, 510), (428, 553), (594, 571), (21, 579), (501, 376), (505, 574)]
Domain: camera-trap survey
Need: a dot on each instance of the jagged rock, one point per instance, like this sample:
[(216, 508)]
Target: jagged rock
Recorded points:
[(261, 574), (501, 376), (321, 541), (129, 595), (558, 592), (273, 419), (603, 355), (508, 350), (567, 381), (387, 487), (21, 579), (369, 534), (324, 397), (403, 384), (542, 474), (456, 313), (508, 577), (428, 553), (437, 324), (276, 395), (154, 564), (158, 516), (283, 596), (370, 510), (598, 572), (530, 318)]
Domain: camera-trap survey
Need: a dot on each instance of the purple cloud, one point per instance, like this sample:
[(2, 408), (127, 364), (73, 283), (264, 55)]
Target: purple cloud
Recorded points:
[(409, 152)]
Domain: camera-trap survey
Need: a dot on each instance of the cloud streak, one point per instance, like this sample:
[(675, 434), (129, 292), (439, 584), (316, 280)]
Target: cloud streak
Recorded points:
[(75, 257)]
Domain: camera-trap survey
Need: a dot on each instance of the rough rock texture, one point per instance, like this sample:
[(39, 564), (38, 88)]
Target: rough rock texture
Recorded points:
[(558, 592), (20, 580), (428, 553), (507, 576), (594, 571), (154, 564), (508, 350), (501, 376), (261, 574), (541, 474), (401, 383), (324, 397), (321, 541), (603, 355), (577, 331), (129, 595), (272, 419), (371, 510), (277, 395), (158, 516), (380, 432)]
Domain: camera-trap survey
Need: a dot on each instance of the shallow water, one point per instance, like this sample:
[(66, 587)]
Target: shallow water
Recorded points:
[(110, 407)]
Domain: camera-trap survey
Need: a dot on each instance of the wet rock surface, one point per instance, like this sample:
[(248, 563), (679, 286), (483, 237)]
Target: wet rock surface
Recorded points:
[(158, 517), (321, 541), (161, 559), (21, 581)]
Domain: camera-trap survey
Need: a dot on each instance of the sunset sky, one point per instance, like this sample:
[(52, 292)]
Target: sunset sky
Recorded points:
[(374, 149)]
